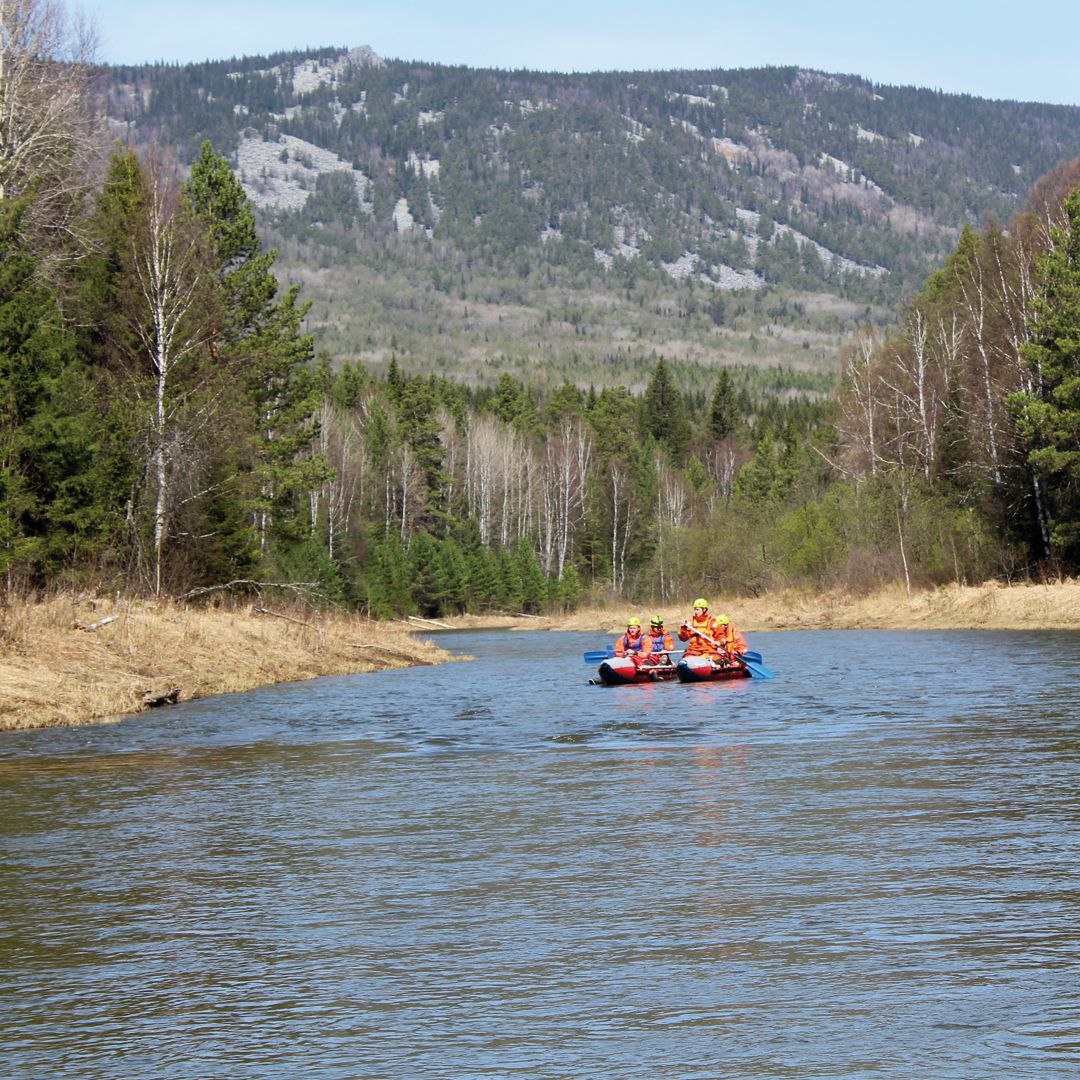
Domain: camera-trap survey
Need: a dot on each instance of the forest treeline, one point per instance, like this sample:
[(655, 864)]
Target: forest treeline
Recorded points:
[(168, 426)]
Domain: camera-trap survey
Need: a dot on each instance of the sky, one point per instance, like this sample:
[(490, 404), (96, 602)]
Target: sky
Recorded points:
[(988, 48)]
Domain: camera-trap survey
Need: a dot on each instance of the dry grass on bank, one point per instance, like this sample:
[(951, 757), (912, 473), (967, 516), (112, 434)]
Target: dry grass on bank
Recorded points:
[(54, 673), (983, 607)]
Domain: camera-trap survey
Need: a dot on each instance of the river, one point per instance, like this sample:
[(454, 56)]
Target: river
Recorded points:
[(867, 867)]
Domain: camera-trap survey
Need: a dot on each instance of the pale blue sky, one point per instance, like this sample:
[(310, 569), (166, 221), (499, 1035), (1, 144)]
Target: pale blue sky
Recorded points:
[(989, 48)]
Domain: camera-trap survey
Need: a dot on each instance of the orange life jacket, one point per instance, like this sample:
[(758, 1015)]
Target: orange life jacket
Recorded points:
[(625, 644), (696, 646), (730, 638)]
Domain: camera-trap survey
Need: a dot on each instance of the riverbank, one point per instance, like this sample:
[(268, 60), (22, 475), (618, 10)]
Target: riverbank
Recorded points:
[(991, 606), (71, 660)]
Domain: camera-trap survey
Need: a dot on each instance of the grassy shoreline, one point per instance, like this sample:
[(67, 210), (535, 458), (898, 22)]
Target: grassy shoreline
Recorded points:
[(74, 660), (79, 660), (991, 606)]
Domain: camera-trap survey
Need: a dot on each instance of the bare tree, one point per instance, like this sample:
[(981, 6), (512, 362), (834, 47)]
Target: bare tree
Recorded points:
[(567, 454), (722, 461), (622, 520), (861, 398), (917, 384), (985, 395), (485, 455), (340, 441), (48, 124)]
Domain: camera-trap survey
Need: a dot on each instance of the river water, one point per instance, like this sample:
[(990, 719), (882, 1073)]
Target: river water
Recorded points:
[(867, 867)]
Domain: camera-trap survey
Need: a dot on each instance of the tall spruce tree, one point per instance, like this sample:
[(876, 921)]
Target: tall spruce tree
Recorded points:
[(46, 415), (105, 335), (260, 336), (723, 409), (1049, 416), (663, 411)]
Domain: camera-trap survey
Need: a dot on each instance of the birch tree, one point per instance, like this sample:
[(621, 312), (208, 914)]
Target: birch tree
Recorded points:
[(860, 400), (567, 455), (167, 297)]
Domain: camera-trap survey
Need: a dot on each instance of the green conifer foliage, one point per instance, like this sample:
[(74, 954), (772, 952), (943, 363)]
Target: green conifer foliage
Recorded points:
[(723, 409), (1049, 416), (425, 586), (106, 337), (534, 591), (663, 412), (568, 589), (261, 337), (51, 498), (387, 579), (484, 579), (508, 402), (452, 578), (510, 585)]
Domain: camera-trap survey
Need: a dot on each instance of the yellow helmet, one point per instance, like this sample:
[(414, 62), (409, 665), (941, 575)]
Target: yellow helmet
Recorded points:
[(633, 621), (657, 620), (723, 620), (699, 602)]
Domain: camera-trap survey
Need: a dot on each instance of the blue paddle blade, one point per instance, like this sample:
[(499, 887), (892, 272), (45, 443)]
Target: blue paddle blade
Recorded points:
[(754, 665), (595, 657)]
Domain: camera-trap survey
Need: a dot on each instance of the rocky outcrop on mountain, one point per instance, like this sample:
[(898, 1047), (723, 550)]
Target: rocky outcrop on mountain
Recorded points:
[(734, 181), (853, 181)]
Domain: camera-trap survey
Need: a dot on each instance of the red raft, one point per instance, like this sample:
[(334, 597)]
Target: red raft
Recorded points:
[(702, 669), (621, 671)]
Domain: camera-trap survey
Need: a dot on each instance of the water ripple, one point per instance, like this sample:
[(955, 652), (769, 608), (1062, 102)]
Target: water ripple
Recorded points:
[(863, 868)]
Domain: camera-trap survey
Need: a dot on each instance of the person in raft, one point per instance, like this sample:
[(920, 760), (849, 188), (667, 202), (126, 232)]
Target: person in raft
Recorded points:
[(632, 643), (659, 643), (726, 640)]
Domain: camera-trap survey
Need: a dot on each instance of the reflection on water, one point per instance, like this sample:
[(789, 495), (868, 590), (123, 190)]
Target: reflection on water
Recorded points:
[(866, 867)]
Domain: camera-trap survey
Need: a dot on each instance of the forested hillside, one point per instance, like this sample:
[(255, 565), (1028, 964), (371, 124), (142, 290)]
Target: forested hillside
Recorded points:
[(168, 425), (581, 226)]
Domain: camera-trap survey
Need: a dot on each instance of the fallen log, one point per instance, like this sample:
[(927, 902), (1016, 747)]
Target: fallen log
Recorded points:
[(95, 625), (278, 615), (429, 622)]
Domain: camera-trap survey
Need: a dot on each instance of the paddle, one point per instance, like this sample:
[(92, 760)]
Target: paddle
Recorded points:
[(756, 668), (750, 660), (598, 657)]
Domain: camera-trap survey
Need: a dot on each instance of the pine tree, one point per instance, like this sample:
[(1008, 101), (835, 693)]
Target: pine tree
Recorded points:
[(453, 578), (106, 338), (508, 402), (1049, 417), (214, 197), (531, 577), (260, 336), (568, 590), (663, 412), (484, 581), (420, 427), (386, 579), (510, 589), (424, 584), (723, 410), (53, 499)]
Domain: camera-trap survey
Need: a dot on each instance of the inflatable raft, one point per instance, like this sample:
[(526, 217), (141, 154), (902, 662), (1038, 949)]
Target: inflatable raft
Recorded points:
[(702, 669), (621, 671)]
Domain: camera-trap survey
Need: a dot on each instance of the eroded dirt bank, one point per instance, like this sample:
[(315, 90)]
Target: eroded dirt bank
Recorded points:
[(79, 660)]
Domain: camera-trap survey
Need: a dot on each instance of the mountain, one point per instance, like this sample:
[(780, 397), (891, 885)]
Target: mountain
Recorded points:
[(576, 226)]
